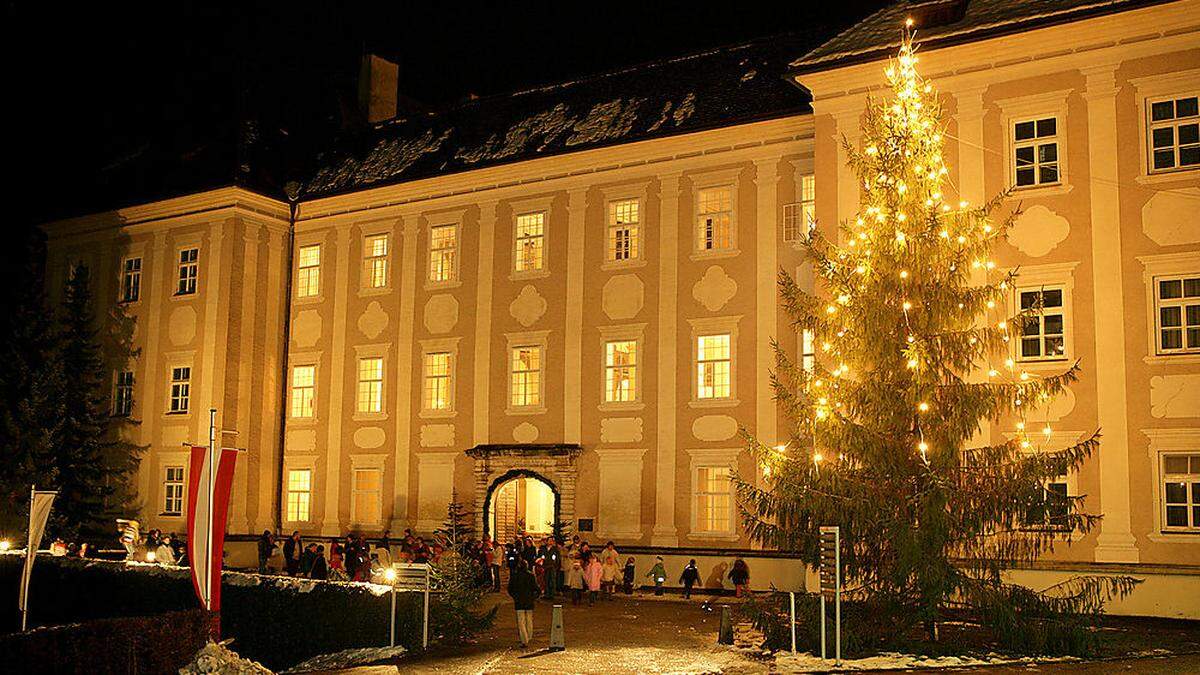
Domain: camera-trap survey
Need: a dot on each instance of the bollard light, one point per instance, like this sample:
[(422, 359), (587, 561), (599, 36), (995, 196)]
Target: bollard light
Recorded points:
[(5, 545), (150, 556), (389, 575)]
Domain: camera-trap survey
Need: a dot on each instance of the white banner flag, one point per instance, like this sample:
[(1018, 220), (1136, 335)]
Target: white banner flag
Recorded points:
[(39, 512)]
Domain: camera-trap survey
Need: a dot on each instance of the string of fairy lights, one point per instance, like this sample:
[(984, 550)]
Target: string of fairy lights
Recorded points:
[(905, 213)]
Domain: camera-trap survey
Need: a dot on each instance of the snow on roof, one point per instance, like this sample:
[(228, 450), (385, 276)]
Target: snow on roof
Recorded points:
[(976, 19), (720, 87)]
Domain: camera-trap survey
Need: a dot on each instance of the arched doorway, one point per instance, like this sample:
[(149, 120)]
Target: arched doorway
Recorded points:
[(521, 502)]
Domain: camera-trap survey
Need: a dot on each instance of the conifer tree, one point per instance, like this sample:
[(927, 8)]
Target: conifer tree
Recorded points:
[(914, 355), (94, 465), (457, 530)]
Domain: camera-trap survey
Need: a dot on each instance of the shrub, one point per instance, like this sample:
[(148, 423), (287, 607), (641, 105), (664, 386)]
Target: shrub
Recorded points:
[(162, 643)]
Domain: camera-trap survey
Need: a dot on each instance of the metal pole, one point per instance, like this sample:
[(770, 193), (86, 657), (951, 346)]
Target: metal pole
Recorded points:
[(29, 550), (425, 632), (793, 599), (212, 449), (393, 639), (837, 557), (823, 624)]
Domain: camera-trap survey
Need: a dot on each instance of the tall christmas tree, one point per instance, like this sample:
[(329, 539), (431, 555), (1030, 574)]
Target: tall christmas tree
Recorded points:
[(914, 354)]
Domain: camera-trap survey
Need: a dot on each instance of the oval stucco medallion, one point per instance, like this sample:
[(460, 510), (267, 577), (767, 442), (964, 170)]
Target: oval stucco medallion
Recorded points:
[(525, 433), (181, 327), (369, 437), (714, 428), (441, 313)]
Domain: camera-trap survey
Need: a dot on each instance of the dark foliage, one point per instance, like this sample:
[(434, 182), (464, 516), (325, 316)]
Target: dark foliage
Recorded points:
[(162, 643)]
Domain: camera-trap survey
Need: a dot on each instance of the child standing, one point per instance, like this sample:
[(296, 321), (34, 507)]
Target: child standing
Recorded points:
[(628, 572), (575, 580), (592, 573), (608, 576), (689, 578), (659, 574)]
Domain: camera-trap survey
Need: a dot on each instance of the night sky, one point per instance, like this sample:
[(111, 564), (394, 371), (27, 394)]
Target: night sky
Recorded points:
[(94, 83)]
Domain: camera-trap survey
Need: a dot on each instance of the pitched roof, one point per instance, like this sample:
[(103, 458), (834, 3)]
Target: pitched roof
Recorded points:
[(721, 87), (948, 22)]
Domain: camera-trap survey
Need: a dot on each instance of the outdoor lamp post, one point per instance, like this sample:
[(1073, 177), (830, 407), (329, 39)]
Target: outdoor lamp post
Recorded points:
[(389, 575)]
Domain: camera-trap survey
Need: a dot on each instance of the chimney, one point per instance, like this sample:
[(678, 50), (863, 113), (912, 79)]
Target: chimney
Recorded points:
[(378, 86)]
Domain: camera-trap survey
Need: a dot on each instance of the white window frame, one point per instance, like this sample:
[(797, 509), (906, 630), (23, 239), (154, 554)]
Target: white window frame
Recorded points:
[(444, 255), (1048, 276), (1184, 303), (1162, 443), (800, 216), (1174, 123), (361, 464), (174, 490), (720, 325), (635, 191), (187, 278), (1174, 84), (306, 494), (541, 239), (1029, 108), (1035, 143), (1160, 267), (534, 339), (363, 353), (712, 458), (1041, 336), (376, 267), (295, 390), (123, 393), (632, 229), (131, 279), (308, 274), (447, 346), (635, 333), (179, 389), (1191, 481)]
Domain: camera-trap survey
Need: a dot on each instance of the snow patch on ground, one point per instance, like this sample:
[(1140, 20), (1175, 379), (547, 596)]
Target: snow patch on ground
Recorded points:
[(347, 659), (808, 663), (217, 658)]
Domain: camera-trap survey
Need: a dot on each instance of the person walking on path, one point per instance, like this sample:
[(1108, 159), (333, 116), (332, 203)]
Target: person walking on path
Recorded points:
[(629, 571), (575, 580), (659, 574), (320, 569), (593, 572), (740, 576), (266, 546), (609, 569), (292, 549), (689, 578), (522, 586)]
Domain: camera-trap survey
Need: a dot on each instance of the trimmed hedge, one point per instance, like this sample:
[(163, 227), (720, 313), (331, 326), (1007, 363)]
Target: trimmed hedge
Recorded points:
[(276, 621), (163, 643)]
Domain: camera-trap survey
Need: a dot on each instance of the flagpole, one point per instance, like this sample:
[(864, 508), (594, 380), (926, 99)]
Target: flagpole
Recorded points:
[(29, 550), (212, 448)]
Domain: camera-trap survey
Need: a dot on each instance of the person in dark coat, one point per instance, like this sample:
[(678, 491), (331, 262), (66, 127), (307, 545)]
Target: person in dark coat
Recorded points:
[(689, 578), (552, 562), (292, 549), (320, 569), (266, 546), (740, 576), (307, 559), (523, 588)]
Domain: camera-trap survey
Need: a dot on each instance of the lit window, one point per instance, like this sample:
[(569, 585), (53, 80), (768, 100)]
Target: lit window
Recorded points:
[(181, 389), (714, 219), (529, 254), (443, 253), (370, 385), (189, 270), (365, 493), (123, 394), (808, 351), (712, 366), (620, 371), (1181, 492), (1035, 152), (1043, 330), (1175, 134), (799, 217), (304, 388), (131, 279), (308, 278), (299, 494), (1177, 301), (375, 261), (526, 376), (438, 381), (173, 491), (714, 502), (624, 234)]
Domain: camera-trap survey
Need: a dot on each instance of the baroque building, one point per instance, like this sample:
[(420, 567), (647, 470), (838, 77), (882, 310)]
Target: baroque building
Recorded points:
[(557, 306)]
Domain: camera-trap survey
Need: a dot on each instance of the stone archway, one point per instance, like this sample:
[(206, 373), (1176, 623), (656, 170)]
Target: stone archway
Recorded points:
[(551, 463)]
